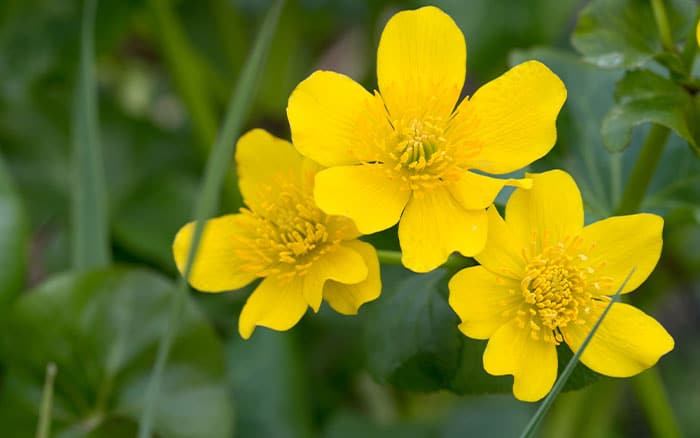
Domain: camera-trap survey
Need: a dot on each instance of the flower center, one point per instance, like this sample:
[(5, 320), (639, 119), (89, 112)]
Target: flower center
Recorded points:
[(287, 234), (419, 152), (557, 290)]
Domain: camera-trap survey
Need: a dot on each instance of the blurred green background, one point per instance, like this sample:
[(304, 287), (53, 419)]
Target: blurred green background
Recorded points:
[(165, 71)]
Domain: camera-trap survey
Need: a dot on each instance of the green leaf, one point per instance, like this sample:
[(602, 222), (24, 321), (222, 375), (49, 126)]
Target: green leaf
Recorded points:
[(646, 97), (267, 382), (411, 335), (91, 247), (101, 328), (13, 240), (623, 33)]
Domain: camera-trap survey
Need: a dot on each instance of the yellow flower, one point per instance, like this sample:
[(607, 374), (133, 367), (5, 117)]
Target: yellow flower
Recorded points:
[(545, 278), (303, 254), (406, 154)]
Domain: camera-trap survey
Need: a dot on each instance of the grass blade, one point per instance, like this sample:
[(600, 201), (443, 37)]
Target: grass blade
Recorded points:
[(214, 175), (535, 421), (89, 197), (44, 428)]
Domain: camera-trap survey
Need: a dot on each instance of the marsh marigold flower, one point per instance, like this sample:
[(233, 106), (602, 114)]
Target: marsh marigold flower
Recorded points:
[(406, 154), (545, 279), (303, 254)]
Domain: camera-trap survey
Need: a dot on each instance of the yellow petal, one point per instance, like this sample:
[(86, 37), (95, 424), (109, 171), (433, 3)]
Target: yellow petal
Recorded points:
[(512, 118), (216, 267), (421, 63), (532, 363), (264, 162), (627, 342), (342, 264), (434, 225), (475, 192), (364, 193), (347, 298), (480, 299), (552, 211), (332, 119), (618, 244), (502, 254), (276, 303)]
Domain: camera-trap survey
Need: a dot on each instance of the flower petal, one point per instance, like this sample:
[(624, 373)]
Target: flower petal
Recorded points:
[(552, 210), (474, 191), (421, 63), (356, 191), (276, 303), (434, 225), (480, 299), (512, 118), (618, 244), (217, 266), (502, 254), (342, 264), (264, 161), (532, 363), (332, 119), (347, 298), (627, 342)]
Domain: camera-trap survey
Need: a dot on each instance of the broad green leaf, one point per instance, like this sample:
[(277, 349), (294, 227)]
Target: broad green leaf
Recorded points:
[(487, 417), (13, 240), (346, 424), (623, 33), (267, 380), (646, 97), (101, 329)]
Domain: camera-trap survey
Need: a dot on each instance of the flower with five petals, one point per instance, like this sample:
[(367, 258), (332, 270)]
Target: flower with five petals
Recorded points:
[(545, 279), (302, 254), (407, 153)]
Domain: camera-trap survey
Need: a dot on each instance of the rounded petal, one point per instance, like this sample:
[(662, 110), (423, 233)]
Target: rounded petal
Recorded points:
[(616, 245), (347, 298), (481, 299), (217, 266), (342, 264), (552, 211), (421, 63), (512, 118), (474, 192), (332, 118), (277, 303), (356, 191), (264, 161), (627, 342), (434, 225), (503, 253), (532, 363)]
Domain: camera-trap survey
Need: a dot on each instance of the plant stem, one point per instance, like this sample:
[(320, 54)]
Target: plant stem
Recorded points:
[(90, 223), (643, 170), (664, 29), (44, 429), (207, 201), (652, 396), (390, 257)]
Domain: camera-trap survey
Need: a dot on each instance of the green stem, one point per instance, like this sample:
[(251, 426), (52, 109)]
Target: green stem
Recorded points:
[(90, 223), (651, 394), (390, 257), (643, 170), (44, 429), (661, 18), (214, 176)]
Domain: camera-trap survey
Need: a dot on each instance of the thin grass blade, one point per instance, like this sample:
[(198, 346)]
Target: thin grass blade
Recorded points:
[(46, 408), (90, 237), (535, 421), (207, 202)]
